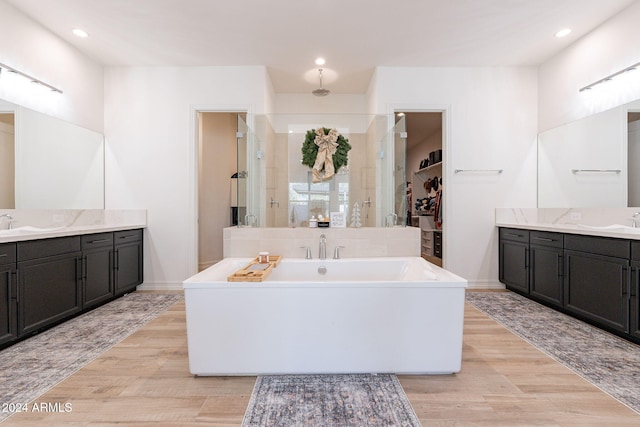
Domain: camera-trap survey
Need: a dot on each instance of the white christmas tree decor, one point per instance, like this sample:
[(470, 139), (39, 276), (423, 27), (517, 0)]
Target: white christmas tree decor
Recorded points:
[(355, 216)]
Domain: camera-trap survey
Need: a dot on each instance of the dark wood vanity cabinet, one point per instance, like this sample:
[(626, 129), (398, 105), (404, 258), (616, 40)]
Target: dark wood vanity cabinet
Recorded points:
[(596, 280), (46, 281), (634, 291), (546, 267), (8, 293), (514, 259), (97, 268), (49, 282), (128, 260)]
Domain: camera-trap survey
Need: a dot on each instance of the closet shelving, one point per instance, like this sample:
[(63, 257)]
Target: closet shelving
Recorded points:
[(428, 168), (431, 241)]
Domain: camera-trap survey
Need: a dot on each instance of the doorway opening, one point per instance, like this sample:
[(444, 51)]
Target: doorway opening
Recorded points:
[(425, 184), (220, 172)]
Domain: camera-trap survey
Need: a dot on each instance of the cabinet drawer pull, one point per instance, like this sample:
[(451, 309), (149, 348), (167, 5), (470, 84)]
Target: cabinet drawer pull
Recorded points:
[(513, 235), (131, 236), (15, 291), (100, 241), (3, 255), (544, 239), (560, 265)]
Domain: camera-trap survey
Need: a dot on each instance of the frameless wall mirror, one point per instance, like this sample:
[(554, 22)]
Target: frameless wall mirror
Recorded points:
[(48, 163), (591, 162)]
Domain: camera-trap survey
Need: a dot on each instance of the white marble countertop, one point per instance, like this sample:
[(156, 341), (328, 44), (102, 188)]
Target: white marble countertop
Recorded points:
[(574, 229), (585, 221), (61, 223)]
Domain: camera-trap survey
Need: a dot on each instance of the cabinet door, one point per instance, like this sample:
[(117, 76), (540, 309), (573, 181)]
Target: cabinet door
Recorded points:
[(128, 266), (97, 275), (546, 274), (128, 260), (49, 290), (8, 306), (634, 327), (514, 265), (596, 288)]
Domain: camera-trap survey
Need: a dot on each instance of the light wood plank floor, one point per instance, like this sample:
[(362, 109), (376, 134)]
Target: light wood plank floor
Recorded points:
[(504, 381)]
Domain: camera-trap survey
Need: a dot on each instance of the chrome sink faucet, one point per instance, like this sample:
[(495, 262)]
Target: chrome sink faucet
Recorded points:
[(322, 250), (10, 219), (634, 222)]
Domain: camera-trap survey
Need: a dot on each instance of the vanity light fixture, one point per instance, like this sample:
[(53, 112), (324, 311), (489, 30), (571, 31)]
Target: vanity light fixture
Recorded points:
[(611, 76), (9, 69), (320, 61)]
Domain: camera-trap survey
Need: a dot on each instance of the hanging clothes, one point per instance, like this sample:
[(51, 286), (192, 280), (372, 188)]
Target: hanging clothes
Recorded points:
[(437, 214)]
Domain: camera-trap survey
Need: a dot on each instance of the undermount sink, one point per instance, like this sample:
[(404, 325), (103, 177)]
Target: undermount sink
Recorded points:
[(613, 227), (28, 229)]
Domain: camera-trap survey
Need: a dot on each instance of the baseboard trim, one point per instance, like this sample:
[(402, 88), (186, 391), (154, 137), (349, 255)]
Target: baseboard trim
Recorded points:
[(161, 286), (485, 284)]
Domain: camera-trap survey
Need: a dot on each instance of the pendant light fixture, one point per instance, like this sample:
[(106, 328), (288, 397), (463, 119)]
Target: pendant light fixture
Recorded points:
[(321, 91)]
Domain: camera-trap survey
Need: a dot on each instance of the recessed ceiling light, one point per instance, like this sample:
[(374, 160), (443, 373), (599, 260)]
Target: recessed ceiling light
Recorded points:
[(320, 61), (80, 33), (563, 32)]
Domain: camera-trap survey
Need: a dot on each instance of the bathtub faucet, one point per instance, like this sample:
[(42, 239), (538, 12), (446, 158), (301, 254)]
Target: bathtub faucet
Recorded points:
[(322, 251)]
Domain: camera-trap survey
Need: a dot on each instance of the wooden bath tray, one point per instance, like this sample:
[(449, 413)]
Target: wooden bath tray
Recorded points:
[(254, 271)]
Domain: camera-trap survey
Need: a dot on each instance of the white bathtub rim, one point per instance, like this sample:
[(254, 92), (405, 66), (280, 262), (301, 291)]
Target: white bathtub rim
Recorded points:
[(216, 276)]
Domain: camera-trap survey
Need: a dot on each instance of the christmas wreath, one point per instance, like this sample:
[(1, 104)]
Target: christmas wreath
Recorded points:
[(333, 147)]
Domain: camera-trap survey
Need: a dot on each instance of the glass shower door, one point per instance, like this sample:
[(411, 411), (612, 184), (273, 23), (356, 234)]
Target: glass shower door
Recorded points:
[(395, 200)]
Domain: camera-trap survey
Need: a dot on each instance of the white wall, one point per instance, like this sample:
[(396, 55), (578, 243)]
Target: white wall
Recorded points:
[(309, 104), (491, 118), (150, 127), (32, 49), (611, 47)]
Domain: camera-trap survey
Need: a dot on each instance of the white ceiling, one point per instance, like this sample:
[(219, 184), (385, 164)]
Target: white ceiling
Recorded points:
[(354, 36)]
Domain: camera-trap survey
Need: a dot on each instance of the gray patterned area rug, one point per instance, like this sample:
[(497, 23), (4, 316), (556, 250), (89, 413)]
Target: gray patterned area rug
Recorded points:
[(33, 366), (329, 401), (610, 363)]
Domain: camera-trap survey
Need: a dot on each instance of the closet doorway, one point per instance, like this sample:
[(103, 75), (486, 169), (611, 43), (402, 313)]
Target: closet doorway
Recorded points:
[(221, 137), (425, 183)]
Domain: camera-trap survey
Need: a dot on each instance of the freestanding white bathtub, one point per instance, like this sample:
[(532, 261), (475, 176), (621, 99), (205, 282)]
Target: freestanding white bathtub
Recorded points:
[(364, 315)]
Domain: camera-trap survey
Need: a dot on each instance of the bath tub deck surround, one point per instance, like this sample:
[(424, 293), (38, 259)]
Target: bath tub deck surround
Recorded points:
[(360, 315)]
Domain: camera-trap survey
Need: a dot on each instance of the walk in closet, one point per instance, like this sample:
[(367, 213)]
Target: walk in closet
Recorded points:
[(425, 184)]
